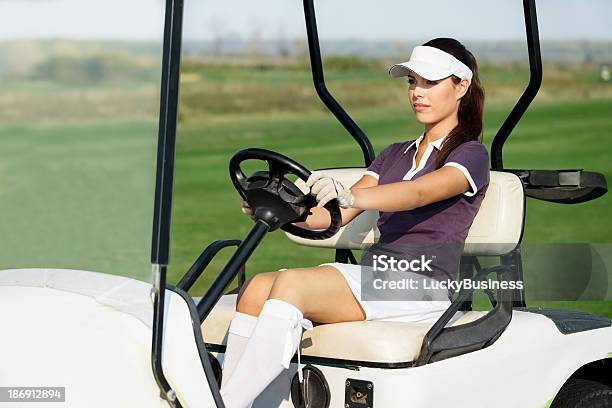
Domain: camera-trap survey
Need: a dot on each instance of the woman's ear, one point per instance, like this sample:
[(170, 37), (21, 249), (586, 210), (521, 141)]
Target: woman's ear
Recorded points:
[(461, 88)]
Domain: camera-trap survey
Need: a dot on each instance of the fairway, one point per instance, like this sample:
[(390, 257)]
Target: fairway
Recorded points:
[(78, 197), (205, 208), (551, 136)]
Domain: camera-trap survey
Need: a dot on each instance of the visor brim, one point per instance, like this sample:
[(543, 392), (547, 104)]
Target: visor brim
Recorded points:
[(428, 71)]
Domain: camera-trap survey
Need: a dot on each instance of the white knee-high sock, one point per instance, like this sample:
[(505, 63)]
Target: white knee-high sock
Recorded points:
[(240, 330), (274, 341)]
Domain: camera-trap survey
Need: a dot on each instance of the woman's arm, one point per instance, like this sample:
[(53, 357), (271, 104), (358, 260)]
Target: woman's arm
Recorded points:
[(320, 218), (406, 195)]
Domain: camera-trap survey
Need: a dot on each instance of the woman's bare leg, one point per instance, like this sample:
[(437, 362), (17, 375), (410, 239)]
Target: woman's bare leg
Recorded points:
[(255, 292), (321, 293)]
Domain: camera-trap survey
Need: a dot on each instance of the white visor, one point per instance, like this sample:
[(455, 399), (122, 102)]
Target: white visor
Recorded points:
[(431, 63)]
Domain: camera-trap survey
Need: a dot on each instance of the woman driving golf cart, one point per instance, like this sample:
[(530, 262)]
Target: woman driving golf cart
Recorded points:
[(427, 191)]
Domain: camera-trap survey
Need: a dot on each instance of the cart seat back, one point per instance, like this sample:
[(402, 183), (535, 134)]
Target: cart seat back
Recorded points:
[(496, 230)]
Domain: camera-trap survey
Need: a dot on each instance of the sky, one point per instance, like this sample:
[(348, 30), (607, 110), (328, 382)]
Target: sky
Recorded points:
[(337, 19)]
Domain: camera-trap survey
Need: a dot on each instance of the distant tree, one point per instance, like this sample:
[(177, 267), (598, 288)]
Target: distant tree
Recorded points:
[(217, 29), (92, 69), (255, 41), (400, 48), (299, 47), (282, 49)]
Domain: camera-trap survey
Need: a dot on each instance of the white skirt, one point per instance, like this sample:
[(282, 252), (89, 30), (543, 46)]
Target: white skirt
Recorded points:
[(417, 311)]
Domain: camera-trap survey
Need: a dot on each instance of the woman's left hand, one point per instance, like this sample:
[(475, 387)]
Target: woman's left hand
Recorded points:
[(326, 188)]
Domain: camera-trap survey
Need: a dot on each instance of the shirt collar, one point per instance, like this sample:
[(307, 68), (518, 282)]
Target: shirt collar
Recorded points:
[(436, 143)]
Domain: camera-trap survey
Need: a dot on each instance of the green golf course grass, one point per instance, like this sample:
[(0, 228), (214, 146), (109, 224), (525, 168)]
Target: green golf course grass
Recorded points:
[(80, 195)]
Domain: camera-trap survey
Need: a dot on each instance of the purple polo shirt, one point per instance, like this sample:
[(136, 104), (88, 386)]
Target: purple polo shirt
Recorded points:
[(446, 221)]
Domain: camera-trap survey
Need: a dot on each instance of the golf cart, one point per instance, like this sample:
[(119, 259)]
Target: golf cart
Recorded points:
[(155, 345)]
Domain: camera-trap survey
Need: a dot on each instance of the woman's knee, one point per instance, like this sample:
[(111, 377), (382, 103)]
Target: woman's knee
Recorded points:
[(293, 286), (288, 280), (254, 293)]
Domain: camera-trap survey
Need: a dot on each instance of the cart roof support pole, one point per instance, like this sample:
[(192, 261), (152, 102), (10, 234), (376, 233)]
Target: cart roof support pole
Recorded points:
[(324, 94), (160, 246), (535, 80)]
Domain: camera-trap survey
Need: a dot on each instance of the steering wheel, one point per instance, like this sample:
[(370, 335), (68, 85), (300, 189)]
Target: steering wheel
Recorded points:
[(276, 200)]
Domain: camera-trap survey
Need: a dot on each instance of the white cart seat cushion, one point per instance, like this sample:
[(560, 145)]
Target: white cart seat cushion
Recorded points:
[(496, 229), (367, 341)]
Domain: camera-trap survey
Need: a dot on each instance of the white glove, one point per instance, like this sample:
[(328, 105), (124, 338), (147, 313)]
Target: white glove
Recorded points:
[(326, 188)]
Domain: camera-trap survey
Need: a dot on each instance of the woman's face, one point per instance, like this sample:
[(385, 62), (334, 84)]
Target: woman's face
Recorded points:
[(434, 101)]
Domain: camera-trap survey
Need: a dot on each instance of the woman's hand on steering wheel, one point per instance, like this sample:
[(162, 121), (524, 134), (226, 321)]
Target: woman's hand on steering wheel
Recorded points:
[(246, 209), (326, 188), (274, 199)]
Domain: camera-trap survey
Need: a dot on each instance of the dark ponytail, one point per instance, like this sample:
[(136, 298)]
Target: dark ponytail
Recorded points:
[(471, 107)]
